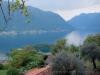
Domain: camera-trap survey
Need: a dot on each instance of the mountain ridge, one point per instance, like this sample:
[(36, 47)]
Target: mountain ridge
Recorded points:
[(89, 22)]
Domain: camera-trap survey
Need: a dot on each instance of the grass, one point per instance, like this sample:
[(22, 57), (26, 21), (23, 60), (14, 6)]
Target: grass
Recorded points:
[(3, 72)]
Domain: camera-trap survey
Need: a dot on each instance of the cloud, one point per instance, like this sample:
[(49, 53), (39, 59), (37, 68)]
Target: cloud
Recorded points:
[(69, 14), (74, 38), (62, 4)]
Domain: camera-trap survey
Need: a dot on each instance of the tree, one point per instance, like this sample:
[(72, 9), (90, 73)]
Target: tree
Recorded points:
[(19, 4), (91, 48), (13, 6), (25, 58), (58, 46), (71, 49), (91, 51), (93, 38), (61, 45), (65, 64)]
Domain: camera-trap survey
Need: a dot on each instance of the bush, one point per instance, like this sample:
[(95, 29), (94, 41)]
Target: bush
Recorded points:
[(1, 66), (12, 71), (65, 64), (25, 58), (58, 46)]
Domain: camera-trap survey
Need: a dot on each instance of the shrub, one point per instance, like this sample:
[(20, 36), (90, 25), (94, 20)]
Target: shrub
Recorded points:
[(12, 71), (25, 58), (1, 66), (65, 64), (58, 46)]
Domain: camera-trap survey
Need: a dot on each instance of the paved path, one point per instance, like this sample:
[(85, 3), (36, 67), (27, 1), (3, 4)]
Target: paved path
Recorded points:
[(37, 71)]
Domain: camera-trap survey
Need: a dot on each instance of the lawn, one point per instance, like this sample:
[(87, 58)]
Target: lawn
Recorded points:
[(3, 72)]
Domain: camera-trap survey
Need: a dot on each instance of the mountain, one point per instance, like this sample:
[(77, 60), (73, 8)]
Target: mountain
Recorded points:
[(44, 27), (86, 23), (39, 20)]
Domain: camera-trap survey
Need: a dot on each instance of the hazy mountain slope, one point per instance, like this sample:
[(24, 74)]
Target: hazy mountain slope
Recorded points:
[(39, 19), (88, 23)]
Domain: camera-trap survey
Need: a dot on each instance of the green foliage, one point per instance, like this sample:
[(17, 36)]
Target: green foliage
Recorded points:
[(13, 71), (65, 64), (1, 66), (19, 5), (3, 72), (58, 46), (93, 38), (91, 51), (62, 46), (73, 48), (91, 48), (15, 5), (25, 58)]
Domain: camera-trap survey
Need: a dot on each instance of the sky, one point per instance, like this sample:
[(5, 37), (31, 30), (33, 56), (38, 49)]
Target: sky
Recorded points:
[(67, 9)]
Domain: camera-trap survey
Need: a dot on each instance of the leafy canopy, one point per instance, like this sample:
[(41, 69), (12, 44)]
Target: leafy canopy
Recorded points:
[(25, 58)]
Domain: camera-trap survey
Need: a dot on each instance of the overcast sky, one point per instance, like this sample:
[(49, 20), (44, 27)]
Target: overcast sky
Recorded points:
[(67, 8), (62, 4)]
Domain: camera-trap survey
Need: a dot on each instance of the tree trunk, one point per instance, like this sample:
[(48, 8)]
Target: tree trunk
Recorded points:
[(94, 64)]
